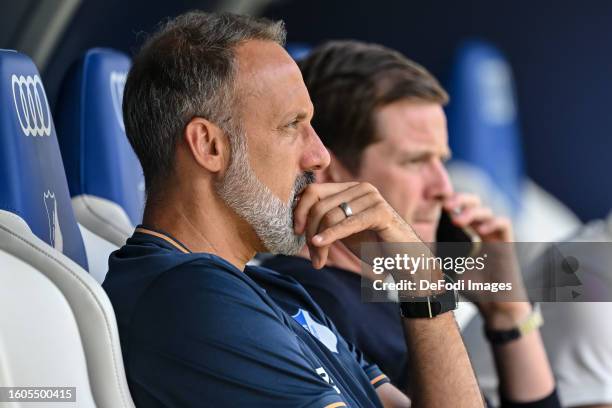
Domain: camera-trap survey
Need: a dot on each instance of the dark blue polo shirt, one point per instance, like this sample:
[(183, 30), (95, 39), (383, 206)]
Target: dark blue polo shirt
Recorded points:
[(196, 331), (375, 328)]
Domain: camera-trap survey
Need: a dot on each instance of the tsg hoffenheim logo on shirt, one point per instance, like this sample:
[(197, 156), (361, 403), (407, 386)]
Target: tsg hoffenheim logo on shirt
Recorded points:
[(55, 233), (321, 332)]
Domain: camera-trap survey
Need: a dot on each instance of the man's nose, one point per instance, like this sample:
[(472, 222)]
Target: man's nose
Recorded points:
[(315, 156), (439, 185)]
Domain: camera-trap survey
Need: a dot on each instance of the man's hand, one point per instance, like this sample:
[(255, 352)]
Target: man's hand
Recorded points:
[(318, 215), (435, 344), (466, 210)]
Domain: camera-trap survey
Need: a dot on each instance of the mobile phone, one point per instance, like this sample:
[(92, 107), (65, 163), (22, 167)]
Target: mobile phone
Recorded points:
[(455, 241)]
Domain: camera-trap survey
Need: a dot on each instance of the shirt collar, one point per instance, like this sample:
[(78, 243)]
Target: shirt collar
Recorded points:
[(141, 229), (168, 241)]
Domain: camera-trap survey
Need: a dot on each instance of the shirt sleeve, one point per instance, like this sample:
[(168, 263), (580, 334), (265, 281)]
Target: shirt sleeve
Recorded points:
[(327, 301), (374, 373), (206, 338)]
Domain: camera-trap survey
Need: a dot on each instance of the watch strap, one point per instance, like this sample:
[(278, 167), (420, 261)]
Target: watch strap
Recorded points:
[(532, 322), (430, 306)]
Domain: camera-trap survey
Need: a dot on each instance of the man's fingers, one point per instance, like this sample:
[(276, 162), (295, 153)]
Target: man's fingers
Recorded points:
[(318, 255), (310, 196), (460, 201), (319, 209), (499, 225), (473, 215), (322, 258), (347, 227), (467, 210), (328, 211)]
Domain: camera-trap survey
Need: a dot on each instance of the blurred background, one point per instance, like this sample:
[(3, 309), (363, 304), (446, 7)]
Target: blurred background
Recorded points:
[(558, 53)]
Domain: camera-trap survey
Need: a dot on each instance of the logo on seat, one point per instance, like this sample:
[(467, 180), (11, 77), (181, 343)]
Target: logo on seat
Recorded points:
[(31, 105), (117, 83), (55, 233)]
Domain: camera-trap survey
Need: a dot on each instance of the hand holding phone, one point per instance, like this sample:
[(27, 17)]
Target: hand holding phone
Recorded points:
[(448, 232)]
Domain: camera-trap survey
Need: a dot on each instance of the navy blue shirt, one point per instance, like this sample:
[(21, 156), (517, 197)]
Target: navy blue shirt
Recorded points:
[(374, 328), (196, 331)]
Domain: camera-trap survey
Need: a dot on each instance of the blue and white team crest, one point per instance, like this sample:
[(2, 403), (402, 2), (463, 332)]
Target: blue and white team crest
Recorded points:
[(55, 233), (321, 332)]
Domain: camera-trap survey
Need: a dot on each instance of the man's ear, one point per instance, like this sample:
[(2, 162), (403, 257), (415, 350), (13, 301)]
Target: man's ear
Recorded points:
[(207, 143), (336, 172)]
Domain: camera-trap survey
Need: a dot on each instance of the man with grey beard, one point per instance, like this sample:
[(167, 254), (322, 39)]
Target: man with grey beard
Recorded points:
[(219, 117)]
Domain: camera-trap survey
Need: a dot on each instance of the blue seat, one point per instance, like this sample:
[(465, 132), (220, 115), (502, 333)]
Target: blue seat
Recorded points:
[(104, 175), (298, 50), (485, 137), (32, 180), (61, 328), (482, 118)]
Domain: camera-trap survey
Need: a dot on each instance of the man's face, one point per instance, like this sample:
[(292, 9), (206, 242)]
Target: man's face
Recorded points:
[(279, 146), (407, 164)]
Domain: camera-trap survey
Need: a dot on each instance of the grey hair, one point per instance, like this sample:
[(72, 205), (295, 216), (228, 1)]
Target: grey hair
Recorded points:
[(184, 70)]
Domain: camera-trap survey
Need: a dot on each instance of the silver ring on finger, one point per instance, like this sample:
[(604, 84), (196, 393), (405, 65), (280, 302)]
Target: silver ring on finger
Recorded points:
[(348, 211)]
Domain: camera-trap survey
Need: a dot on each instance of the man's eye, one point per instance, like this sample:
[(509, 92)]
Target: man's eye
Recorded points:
[(412, 162), (293, 125)]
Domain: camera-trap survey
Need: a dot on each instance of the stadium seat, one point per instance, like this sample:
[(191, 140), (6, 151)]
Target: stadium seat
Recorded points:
[(482, 118), (104, 176), (58, 325), (298, 50), (53, 354), (485, 139)]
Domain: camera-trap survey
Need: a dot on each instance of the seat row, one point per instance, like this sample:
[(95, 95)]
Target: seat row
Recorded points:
[(59, 223)]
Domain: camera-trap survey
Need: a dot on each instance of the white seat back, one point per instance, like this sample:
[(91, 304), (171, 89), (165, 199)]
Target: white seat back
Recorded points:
[(38, 229), (40, 343), (85, 307)]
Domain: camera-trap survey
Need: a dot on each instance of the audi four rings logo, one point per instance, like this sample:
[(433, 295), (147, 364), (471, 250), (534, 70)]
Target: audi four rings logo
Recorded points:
[(31, 105), (117, 83)]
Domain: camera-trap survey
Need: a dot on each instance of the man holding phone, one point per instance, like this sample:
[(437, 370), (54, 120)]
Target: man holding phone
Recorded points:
[(381, 117)]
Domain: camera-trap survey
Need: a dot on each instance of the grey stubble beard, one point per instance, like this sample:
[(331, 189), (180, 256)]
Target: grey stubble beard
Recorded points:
[(268, 215)]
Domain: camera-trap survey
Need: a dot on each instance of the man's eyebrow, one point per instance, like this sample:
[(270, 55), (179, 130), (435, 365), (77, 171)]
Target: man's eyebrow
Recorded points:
[(422, 153), (299, 114), (414, 153), (302, 114)]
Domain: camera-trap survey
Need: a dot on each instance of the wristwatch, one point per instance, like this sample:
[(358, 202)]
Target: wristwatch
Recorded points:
[(532, 322), (430, 306)]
